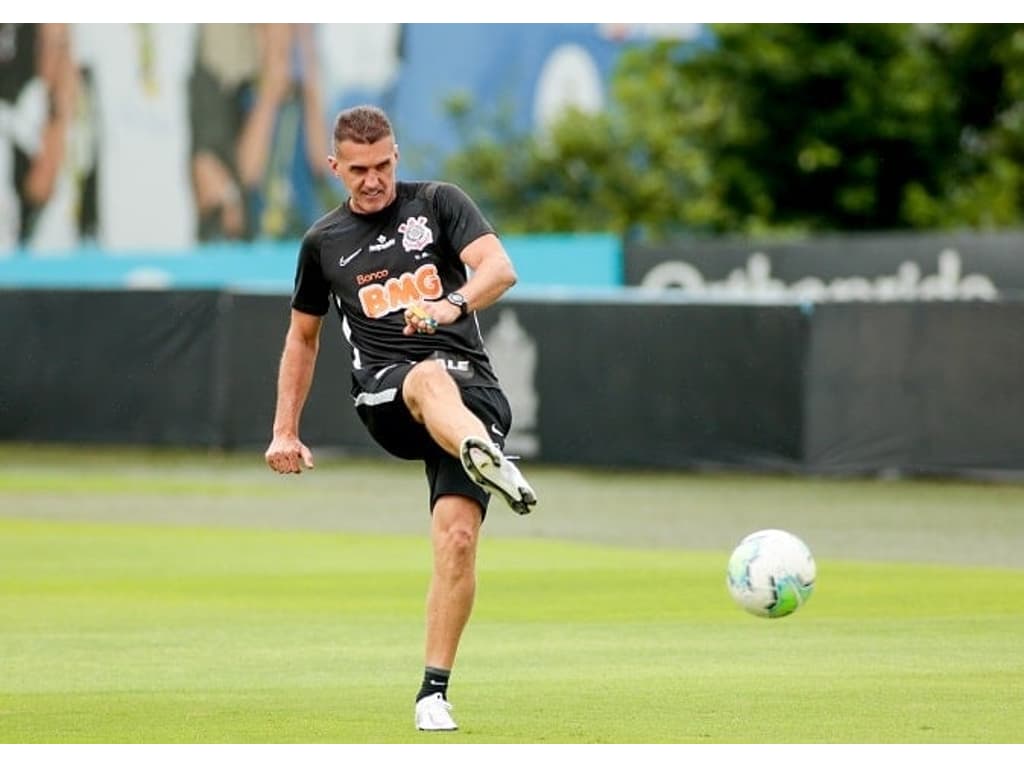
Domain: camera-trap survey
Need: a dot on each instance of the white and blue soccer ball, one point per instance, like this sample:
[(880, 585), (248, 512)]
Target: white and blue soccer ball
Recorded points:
[(771, 573)]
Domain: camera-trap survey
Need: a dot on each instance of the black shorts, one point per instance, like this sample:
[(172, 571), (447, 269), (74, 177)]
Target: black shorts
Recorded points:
[(382, 409)]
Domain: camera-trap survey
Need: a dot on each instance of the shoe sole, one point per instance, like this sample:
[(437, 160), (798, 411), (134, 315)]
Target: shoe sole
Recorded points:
[(520, 503)]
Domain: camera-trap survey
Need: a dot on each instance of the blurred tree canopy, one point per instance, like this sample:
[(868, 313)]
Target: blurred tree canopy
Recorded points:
[(777, 128)]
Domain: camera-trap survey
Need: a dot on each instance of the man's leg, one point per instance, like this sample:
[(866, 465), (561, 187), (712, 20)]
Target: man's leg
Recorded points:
[(455, 531), (434, 400)]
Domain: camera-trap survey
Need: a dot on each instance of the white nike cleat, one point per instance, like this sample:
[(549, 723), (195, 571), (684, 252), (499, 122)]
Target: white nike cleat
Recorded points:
[(433, 713), (494, 472)]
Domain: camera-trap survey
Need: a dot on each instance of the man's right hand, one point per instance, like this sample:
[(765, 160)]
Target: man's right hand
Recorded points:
[(287, 455)]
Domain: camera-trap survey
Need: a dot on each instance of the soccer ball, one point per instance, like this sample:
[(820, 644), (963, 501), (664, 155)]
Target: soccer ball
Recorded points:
[(771, 573)]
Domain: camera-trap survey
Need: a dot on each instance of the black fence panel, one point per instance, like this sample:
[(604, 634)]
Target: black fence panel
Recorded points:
[(917, 387), (657, 384), (109, 366)]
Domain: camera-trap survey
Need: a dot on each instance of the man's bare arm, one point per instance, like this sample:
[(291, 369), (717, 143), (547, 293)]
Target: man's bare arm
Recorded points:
[(287, 453)]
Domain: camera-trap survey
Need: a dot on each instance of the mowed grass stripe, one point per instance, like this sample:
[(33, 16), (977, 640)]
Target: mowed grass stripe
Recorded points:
[(937, 521), (165, 634)]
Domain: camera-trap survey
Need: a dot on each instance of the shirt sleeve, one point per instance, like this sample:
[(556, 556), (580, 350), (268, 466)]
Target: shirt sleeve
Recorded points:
[(312, 291), (462, 219)]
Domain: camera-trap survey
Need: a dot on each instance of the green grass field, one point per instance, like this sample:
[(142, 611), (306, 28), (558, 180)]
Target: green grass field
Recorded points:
[(172, 597)]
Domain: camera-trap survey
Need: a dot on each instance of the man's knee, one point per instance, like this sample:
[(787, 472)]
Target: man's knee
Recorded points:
[(455, 544), (427, 380), (458, 541), (457, 522)]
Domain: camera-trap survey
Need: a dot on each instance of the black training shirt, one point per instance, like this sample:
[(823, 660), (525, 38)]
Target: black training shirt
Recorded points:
[(373, 266)]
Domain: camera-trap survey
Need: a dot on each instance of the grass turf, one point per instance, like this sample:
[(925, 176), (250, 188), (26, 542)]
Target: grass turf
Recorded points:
[(120, 633), (164, 596)]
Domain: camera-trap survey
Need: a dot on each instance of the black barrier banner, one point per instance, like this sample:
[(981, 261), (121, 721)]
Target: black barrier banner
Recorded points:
[(664, 385), (896, 267), (853, 387), (110, 366), (915, 387)]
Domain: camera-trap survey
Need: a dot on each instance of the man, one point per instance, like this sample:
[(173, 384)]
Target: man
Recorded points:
[(393, 261), (39, 91)]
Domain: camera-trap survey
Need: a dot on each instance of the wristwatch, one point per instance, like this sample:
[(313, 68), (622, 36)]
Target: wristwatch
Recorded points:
[(459, 301)]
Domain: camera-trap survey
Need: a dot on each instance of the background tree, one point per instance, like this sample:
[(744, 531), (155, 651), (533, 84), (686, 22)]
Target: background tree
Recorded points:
[(776, 128)]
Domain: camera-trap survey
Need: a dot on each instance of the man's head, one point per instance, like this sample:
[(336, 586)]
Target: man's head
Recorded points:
[(365, 158)]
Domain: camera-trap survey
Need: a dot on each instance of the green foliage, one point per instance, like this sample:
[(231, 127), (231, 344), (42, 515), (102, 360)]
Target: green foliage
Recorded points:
[(776, 128)]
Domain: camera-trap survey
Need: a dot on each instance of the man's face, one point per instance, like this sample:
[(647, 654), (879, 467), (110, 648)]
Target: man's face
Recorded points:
[(368, 172)]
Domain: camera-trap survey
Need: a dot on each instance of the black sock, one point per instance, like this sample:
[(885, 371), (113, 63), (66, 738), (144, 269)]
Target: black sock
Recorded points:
[(435, 680)]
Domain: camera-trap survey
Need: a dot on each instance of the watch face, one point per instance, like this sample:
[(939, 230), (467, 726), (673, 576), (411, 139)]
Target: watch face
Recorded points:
[(458, 300)]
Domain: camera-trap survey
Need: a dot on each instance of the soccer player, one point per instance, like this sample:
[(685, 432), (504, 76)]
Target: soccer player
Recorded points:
[(406, 266)]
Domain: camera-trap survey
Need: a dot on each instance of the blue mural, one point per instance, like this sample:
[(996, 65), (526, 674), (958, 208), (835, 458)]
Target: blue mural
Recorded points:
[(165, 137)]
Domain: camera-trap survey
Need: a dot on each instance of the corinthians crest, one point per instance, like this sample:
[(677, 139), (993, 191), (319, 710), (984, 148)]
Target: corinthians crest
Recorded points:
[(416, 235)]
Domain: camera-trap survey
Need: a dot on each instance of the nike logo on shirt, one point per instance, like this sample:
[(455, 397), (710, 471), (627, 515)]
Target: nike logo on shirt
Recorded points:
[(346, 259)]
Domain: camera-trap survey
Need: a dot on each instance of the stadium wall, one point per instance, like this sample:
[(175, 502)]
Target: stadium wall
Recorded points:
[(619, 380)]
